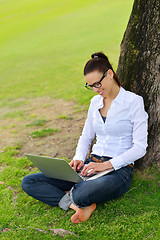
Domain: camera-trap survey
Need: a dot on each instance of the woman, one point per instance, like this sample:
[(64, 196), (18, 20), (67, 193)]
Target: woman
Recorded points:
[(118, 120)]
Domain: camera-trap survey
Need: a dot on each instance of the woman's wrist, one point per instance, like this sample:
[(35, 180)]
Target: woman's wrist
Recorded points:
[(108, 165)]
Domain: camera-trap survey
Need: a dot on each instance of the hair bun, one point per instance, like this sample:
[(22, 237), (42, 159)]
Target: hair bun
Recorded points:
[(94, 55), (99, 55)]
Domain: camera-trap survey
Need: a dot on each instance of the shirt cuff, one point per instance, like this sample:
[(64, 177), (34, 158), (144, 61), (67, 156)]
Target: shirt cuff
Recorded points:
[(117, 162), (76, 157)]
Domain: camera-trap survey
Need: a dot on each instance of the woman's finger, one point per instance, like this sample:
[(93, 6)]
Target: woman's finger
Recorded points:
[(90, 172), (86, 169), (80, 165), (71, 163)]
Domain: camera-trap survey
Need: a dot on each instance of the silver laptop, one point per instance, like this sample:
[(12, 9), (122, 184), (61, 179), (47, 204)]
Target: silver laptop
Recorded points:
[(60, 169)]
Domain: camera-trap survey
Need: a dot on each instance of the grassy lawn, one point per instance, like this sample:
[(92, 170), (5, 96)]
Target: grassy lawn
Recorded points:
[(132, 216), (44, 46)]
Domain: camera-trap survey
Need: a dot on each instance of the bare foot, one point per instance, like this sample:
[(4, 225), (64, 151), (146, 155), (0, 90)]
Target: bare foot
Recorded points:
[(82, 214)]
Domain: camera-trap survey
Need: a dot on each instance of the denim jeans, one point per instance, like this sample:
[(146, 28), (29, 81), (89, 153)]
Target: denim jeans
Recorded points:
[(52, 191)]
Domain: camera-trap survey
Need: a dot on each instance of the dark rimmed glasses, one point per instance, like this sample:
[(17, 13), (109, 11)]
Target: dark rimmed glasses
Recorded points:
[(96, 84)]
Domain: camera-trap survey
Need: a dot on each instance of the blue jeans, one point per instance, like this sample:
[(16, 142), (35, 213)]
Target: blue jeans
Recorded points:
[(52, 191)]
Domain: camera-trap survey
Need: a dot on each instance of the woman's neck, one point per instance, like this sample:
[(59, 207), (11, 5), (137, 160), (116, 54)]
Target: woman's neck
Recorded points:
[(113, 94)]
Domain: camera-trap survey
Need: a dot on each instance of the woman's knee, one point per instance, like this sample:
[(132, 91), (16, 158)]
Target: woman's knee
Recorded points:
[(27, 182), (79, 200), (82, 195)]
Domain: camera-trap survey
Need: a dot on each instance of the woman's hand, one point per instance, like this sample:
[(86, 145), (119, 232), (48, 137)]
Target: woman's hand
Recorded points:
[(76, 164), (95, 167)]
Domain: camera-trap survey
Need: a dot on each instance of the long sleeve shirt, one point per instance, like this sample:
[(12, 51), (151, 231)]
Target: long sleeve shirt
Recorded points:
[(123, 136)]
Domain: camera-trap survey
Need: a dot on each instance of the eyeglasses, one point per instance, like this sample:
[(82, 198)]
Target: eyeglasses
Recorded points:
[(96, 84)]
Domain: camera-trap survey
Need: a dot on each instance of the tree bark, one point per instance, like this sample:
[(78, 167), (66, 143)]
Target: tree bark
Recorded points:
[(139, 69)]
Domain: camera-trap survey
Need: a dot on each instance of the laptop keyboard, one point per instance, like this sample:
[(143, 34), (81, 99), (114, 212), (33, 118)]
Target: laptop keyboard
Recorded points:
[(85, 177)]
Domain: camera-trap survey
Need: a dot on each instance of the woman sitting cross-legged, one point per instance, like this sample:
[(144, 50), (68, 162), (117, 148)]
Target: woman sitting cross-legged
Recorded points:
[(118, 120)]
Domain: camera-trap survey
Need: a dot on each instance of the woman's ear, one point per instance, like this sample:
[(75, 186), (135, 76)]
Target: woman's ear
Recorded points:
[(110, 73)]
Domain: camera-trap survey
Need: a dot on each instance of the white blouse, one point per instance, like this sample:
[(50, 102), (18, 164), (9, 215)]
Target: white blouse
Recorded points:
[(123, 136)]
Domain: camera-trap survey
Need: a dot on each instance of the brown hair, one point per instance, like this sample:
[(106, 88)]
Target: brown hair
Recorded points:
[(99, 62)]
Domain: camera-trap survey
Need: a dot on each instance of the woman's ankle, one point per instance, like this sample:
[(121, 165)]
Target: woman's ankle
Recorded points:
[(74, 207)]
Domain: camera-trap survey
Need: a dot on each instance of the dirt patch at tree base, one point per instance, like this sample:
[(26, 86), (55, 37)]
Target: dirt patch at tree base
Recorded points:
[(20, 119)]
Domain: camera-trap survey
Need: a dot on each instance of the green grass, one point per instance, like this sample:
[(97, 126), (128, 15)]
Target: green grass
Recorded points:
[(15, 104), (14, 114), (38, 122), (64, 117), (44, 132), (135, 215), (45, 44)]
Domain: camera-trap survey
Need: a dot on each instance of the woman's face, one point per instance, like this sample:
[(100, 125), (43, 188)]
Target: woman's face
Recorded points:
[(107, 82)]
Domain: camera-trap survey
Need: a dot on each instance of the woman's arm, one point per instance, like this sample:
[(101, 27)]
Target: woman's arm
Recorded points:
[(87, 136), (139, 119)]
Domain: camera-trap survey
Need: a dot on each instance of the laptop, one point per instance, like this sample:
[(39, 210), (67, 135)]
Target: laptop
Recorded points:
[(60, 169)]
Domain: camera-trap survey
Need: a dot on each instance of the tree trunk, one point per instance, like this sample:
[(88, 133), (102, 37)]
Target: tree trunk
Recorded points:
[(139, 68)]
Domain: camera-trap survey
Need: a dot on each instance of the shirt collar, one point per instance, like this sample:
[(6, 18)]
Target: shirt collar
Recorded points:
[(119, 98)]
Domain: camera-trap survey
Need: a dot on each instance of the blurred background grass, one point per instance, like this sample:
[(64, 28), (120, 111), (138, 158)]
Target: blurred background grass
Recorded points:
[(45, 44)]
